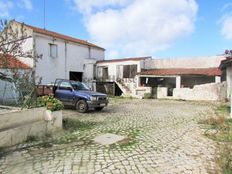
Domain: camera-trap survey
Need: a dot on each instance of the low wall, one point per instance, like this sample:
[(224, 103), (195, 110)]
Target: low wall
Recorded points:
[(210, 92), (140, 91), (16, 126), (162, 92)]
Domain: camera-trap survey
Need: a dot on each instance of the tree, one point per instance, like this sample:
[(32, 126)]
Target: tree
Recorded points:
[(228, 53), (12, 39)]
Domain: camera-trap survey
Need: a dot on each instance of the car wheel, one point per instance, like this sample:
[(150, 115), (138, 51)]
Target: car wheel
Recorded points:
[(99, 108), (82, 106)]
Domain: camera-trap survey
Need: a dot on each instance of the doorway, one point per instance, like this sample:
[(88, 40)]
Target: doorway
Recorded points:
[(76, 76)]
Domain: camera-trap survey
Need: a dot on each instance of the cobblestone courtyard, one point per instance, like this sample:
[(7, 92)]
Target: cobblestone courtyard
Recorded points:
[(164, 137)]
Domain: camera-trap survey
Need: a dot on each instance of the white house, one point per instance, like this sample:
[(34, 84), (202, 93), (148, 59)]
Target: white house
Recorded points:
[(118, 69), (62, 56), (196, 78), (226, 67)]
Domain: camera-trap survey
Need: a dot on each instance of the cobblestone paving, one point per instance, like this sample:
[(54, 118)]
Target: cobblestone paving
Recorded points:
[(166, 139)]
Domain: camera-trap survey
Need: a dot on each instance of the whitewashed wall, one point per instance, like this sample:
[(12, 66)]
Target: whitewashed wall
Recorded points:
[(112, 66), (229, 80), (211, 91), (51, 68), (195, 62), (27, 45)]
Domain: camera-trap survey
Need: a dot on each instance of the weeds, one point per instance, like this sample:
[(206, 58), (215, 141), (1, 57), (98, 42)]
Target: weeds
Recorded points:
[(72, 125), (220, 130), (130, 141), (31, 138)]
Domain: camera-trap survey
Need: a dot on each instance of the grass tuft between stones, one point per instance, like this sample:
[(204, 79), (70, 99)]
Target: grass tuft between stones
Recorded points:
[(75, 125), (220, 129)]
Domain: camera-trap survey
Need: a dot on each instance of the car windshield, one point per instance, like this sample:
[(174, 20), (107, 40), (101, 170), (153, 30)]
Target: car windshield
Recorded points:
[(79, 86)]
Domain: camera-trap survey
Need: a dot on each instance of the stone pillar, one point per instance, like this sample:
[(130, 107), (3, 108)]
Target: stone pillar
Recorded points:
[(217, 79), (178, 82), (138, 81)]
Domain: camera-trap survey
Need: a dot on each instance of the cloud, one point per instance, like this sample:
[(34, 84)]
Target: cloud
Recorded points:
[(89, 6), (226, 21), (135, 27), (26, 4), (227, 27), (5, 7)]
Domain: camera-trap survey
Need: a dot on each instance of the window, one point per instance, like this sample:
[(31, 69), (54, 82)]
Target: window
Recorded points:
[(53, 50), (129, 71), (65, 86)]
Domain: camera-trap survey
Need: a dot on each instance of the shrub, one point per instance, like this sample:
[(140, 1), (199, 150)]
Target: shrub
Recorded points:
[(50, 103), (147, 96)]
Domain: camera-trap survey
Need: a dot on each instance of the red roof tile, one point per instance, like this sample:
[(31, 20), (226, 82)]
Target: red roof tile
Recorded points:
[(201, 71), (10, 62), (124, 59), (61, 36)]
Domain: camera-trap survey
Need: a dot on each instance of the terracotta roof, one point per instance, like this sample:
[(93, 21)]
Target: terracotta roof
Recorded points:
[(10, 62), (200, 71), (124, 59), (61, 36), (226, 62)]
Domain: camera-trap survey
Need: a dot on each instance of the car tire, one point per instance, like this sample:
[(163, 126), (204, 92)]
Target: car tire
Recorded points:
[(81, 106), (98, 108)]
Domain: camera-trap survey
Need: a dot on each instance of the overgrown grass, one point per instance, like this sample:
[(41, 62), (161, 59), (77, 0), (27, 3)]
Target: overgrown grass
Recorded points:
[(130, 141), (222, 110), (32, 138), (72, 125), (220, 130), (147, 96), (69, 135)]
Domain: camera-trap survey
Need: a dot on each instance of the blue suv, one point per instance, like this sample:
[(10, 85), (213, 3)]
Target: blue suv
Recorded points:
[(77, 94)]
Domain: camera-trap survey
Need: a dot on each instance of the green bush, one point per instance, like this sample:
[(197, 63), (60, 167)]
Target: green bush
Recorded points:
[(147, 96), (50, 103)]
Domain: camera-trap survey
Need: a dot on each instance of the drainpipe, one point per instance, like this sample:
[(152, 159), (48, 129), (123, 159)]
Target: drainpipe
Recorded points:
[(65, 60), (89, 52)]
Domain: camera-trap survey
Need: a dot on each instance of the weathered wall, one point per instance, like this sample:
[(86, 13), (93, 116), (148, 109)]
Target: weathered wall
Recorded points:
[(211, 92), (162, 92), (140, 91), (112, 67), (196, 62), (16, 126), (27, 45), (71, 57), (229, 80)]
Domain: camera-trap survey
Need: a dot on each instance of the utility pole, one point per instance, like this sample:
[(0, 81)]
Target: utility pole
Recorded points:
[(44, 14)]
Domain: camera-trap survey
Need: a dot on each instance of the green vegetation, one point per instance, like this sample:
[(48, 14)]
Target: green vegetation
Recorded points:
[(32, 138), (50, 103), (130, 141), (147, 96), (72, 125), (220, 130), (222, 110)]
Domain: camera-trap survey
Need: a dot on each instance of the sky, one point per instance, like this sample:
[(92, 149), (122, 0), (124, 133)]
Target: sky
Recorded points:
[(134, 28)]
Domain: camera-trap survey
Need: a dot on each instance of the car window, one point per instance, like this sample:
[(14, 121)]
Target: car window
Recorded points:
[(79, 86), (65, 85)]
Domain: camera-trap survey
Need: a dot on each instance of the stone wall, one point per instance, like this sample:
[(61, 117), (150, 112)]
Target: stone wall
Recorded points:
[(195, 62), (16, 126), (210, 92)]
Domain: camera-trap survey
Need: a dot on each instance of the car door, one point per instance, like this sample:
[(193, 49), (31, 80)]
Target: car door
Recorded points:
[(65, 93)]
